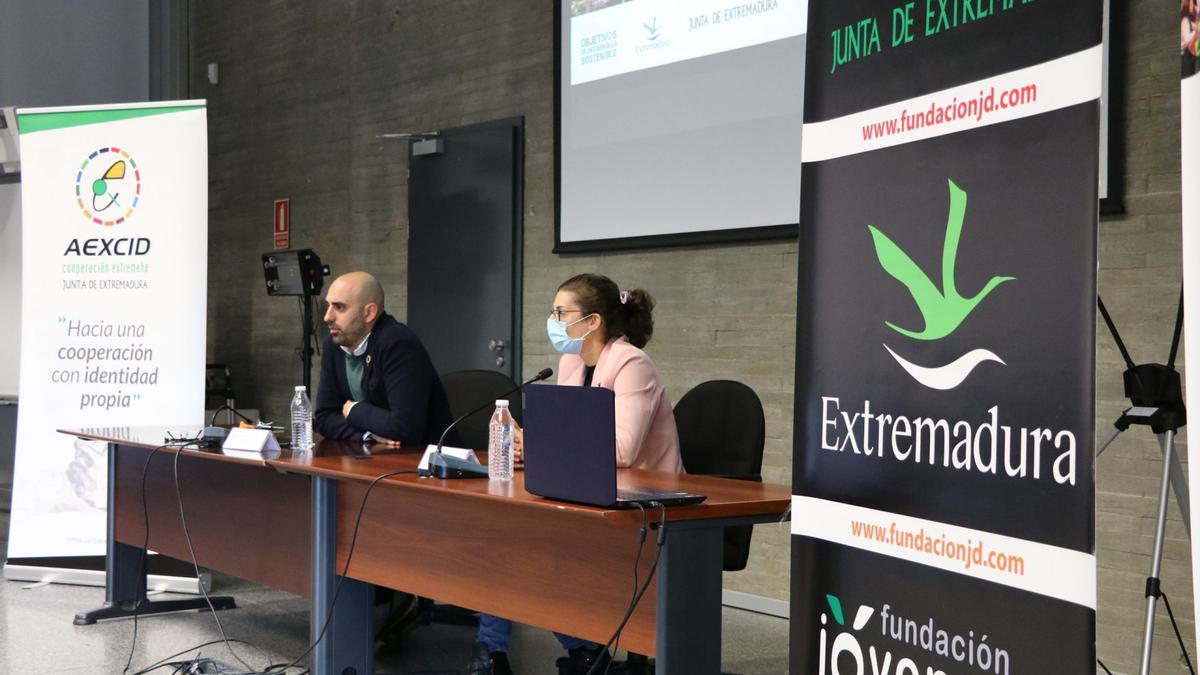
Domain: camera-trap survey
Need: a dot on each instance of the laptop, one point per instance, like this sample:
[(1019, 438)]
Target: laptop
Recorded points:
[(571, 450)]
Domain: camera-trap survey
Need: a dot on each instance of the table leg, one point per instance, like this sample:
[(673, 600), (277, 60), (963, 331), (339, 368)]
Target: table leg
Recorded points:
[(125, 574), (689, 601), (347, 648)]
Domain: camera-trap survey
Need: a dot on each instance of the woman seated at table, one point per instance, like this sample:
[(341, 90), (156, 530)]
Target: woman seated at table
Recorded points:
[(600, 331)]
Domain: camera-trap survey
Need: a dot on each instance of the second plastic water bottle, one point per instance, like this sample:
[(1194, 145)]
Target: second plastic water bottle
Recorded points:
[(302, 429), (500, 443)]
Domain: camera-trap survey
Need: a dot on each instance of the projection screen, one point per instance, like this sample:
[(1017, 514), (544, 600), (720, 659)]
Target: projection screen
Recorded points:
[(678, 122)]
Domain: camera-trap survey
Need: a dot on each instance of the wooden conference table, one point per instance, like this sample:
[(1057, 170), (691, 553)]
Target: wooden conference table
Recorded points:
[(286, 522)]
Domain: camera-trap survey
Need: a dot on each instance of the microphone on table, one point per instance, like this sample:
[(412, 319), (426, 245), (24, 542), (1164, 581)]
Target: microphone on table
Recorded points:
[(445, 466)]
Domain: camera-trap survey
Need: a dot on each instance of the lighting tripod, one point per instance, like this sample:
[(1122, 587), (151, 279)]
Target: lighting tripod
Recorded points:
[(1156, 395)]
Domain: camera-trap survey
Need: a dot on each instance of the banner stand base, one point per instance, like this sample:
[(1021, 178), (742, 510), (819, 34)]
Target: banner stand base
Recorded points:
[(124, 610), (77, 577)]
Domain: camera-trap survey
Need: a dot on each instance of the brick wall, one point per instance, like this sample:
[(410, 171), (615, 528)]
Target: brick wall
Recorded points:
[(1140, 273), (306, 87)]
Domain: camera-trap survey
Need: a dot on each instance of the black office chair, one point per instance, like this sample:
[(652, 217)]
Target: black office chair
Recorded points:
[(218, 386), (218, 394), (467, 389), (722, 431)]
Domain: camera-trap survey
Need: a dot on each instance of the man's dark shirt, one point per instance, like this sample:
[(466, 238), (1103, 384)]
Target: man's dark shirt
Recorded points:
[(404, 397)]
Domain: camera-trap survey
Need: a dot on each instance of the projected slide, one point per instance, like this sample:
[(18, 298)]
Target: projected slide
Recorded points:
[(678, 121), (637, 34)]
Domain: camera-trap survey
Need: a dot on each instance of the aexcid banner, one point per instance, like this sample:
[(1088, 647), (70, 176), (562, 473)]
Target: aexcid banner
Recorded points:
[(114, 270), (943, 481)]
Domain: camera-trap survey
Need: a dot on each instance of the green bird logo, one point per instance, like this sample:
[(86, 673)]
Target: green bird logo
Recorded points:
[(943, 309), (651, 29)]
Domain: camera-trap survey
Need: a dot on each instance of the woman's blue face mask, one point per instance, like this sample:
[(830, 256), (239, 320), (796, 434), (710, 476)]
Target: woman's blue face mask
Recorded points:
[(560, 340)]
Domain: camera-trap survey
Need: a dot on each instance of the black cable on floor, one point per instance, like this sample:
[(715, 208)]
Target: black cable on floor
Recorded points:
[(163, 663)]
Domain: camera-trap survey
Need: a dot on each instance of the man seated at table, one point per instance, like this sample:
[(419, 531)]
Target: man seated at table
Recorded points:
[(378, 383)]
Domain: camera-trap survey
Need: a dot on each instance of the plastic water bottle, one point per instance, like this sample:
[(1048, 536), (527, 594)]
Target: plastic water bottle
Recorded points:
[(500, 443), (301, 421)]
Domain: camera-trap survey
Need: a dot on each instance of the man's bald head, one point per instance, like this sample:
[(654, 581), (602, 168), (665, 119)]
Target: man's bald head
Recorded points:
[(365, 287), (355, 304)]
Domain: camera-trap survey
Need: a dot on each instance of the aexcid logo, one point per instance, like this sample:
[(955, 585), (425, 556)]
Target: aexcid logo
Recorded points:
[(108, 187), (845, 654), (943, 309)]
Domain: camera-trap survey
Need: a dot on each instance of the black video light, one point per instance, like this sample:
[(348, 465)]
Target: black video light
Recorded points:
[(297, 272)]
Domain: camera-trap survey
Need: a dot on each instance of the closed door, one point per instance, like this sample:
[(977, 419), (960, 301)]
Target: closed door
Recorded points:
[(465, 202)]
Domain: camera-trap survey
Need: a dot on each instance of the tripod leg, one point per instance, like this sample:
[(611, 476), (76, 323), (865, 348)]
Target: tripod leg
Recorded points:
[(1112, 436), (1180, 486), (1167, 441)]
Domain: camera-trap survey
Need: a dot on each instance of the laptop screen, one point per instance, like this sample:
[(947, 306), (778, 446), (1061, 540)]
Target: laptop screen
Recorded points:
[(571, 443)]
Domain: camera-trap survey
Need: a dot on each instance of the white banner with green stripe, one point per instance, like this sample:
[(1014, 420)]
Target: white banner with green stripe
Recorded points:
[(113, 312)]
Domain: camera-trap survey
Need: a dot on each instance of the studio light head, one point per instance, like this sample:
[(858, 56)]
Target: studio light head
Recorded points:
[(297, 272)]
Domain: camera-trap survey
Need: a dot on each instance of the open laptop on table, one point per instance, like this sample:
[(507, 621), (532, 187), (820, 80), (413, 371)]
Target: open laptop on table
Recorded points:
[(571, 450)]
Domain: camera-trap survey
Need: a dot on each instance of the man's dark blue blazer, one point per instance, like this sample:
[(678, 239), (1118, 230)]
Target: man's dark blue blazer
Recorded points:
[(404, 397)]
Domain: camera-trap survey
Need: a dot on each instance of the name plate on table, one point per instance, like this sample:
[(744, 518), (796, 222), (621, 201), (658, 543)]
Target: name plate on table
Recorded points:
[(252, 443), (457, 453)]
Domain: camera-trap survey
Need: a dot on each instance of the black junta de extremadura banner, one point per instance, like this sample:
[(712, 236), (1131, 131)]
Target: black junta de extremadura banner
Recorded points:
[(943, 479)]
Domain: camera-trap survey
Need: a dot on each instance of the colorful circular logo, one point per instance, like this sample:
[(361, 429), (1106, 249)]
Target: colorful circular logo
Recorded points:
[(108, 186)]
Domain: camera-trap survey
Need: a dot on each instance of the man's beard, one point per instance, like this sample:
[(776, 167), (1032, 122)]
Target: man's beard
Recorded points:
[(343, 338)]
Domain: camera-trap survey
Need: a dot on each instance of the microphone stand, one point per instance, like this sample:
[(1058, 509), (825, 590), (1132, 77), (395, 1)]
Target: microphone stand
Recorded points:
[(445, 466)]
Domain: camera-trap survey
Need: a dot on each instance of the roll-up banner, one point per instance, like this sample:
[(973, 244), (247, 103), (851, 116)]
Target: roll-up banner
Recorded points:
[(1189, 145), (943, 477), (113, 313)]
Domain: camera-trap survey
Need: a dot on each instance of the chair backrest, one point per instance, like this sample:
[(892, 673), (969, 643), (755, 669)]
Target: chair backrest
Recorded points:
[(722, 431), (218, 385), (467, 389)]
